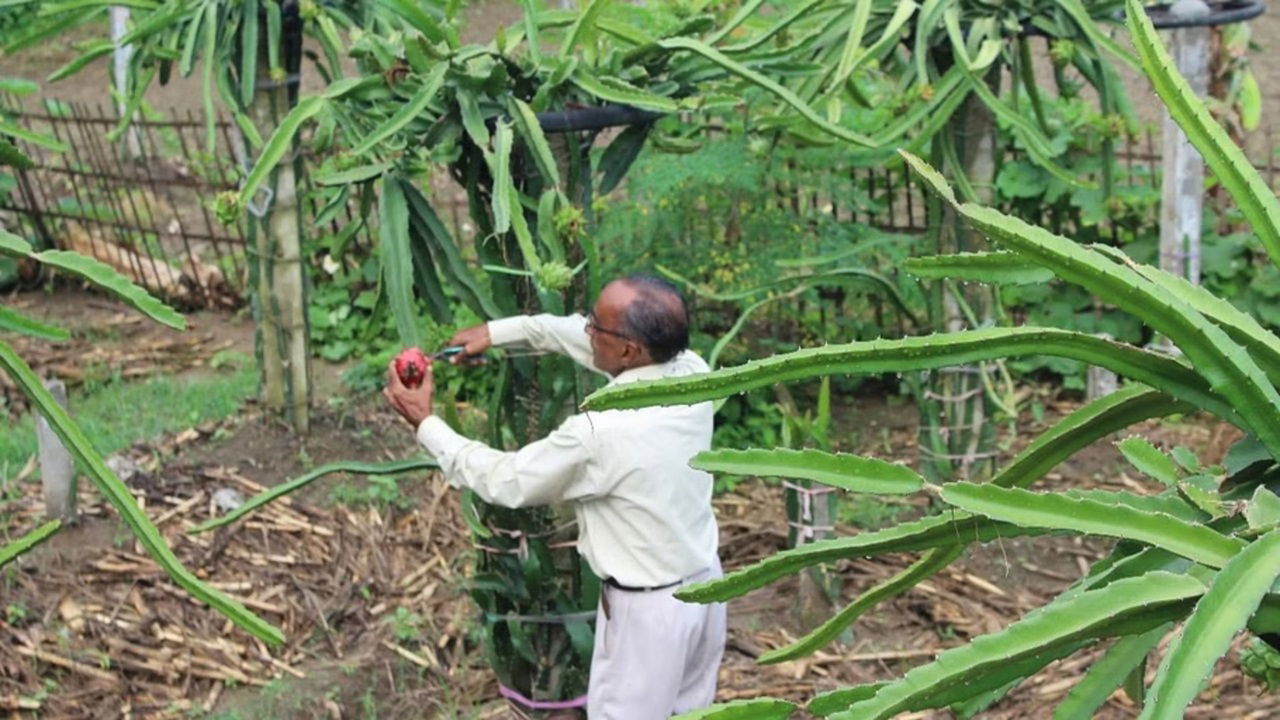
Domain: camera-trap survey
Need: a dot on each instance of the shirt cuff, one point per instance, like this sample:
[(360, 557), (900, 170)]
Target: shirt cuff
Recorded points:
[(507, 331), (439, 439)]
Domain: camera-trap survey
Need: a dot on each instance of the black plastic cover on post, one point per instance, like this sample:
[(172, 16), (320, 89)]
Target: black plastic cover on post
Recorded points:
[(1222, 12), (594, 118)]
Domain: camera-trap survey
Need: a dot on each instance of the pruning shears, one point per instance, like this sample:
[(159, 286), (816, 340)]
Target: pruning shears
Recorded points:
[(447, 353), (452, 350)]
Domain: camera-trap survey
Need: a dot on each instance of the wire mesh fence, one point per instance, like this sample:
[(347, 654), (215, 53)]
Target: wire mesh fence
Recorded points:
[(139, 203), (141, 200)]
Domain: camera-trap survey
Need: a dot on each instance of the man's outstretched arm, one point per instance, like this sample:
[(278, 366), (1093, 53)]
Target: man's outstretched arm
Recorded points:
[(566, 335), (548, 471)]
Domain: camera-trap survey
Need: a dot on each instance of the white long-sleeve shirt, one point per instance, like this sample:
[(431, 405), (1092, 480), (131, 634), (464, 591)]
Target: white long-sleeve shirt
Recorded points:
[(644, 516)]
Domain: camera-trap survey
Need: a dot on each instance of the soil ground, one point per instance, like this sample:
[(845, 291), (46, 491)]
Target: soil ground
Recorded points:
[(95, 629)]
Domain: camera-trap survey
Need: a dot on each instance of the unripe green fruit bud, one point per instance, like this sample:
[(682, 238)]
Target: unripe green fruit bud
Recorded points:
[(553, 276), (226, 207), (1261, 662)]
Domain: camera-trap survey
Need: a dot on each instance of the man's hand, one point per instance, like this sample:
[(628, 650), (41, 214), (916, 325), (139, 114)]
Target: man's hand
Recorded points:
[(474, 341), (413, 404)]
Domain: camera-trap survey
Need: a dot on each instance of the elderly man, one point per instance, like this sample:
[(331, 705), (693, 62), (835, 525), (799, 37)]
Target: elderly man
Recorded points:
[(645, 522)]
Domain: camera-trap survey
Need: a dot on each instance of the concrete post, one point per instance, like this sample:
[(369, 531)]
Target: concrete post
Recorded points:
[(1182, 201), (57, 468), (120, 58)]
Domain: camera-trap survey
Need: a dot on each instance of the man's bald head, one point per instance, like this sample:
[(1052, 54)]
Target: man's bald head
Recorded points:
[(656, 316)]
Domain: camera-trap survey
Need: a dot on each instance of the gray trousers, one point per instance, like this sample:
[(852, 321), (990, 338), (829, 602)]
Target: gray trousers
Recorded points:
[(654, 655)]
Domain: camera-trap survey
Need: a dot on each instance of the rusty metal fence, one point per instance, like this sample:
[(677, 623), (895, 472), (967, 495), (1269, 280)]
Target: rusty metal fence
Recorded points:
[(141, 203)]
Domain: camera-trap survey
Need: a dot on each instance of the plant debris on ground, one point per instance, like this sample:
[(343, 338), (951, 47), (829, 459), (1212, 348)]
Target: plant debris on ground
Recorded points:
[(372, 594)]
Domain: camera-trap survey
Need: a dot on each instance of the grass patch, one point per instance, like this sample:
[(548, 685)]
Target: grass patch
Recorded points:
[(116, 414)]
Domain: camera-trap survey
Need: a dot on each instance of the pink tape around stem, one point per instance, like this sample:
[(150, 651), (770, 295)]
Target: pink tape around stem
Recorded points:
[(515, 696)]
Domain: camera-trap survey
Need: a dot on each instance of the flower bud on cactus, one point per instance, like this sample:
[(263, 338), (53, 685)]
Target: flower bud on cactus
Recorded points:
[(411, 367), (226, 207), (1262, 663), (553, 276), (1062, 52), (569, 223)]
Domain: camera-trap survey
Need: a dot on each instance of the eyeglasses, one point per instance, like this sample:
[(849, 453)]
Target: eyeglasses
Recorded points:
[(594, 326)]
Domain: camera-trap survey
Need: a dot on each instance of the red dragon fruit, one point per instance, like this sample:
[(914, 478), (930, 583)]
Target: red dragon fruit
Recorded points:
[(411, 366)]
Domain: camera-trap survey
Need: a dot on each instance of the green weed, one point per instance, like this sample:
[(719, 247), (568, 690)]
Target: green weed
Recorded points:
[(116, 414)]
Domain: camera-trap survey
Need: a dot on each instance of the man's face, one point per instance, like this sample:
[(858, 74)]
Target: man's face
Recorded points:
[(611, 349)]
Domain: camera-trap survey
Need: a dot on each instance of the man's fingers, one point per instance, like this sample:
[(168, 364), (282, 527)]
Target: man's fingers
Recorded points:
[(393, 378)]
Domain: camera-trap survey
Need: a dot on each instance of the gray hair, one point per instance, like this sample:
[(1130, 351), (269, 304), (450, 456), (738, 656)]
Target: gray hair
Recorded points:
[(657, 317)]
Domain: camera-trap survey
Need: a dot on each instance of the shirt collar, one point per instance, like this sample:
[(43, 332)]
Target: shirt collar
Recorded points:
[(656, 371)]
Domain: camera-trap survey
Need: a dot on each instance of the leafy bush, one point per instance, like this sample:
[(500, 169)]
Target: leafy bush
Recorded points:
[(1204, 553)]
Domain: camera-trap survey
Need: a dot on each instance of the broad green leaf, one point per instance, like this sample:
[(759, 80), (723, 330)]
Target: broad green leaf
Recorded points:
[(1076, 9), (759, 709), (1202, 492), (1107, 675), (447, 255), (621, 153), (1227, 366), (18, 86), (94, 51), (768, 84), (415, 13), (948, 87), (1055, 511), (996, 268), (1062, 624), (14, 130), (11, 551), (527, 123), (91, 463), (922, 569), (888, 37), (1223, 611), (11, 156), (847, 472), (50, 32), (916, 353), (345, 466), (396, 259), (354, 175), (100, 275), (830, 277), (210, 37), (248, 51), (924, 534), (1227, 161), (407, 112), (1241, 326), (195, 22), (1089, 423), (1263, 510), (278, 144), (15, 322), (853, 42), (1149, 460), (613, 90), (472, 118), (505, 200), (1168, 503), (833, 701), (1186, 459), (584, 23), (803, 10)]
